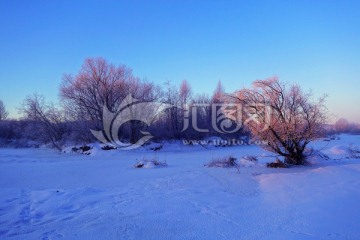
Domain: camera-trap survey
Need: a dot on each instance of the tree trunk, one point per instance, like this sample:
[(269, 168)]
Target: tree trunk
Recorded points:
[(295, 159)]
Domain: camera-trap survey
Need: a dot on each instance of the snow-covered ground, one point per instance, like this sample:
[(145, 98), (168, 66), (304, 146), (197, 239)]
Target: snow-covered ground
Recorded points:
[(48, 195)]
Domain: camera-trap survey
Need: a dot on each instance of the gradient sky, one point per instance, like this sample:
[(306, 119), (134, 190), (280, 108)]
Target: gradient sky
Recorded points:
[(313, 43)]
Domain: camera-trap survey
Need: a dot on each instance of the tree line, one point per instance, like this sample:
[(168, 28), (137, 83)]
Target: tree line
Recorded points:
[(285, 116), (83, 96)]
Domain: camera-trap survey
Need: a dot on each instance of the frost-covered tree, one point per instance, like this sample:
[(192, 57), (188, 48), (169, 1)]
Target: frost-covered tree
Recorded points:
[(48, 122), (97, 84), (3, 113), (101, 84), (287, 118)]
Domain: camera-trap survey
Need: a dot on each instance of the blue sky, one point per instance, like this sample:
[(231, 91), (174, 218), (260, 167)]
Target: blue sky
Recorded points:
[(313, 43)]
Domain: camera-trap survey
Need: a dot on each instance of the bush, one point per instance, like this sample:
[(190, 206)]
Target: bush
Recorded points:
[(224, 162)]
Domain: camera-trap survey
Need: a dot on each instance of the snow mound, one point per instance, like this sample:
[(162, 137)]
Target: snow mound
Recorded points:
[(339, 150), (246, 163)]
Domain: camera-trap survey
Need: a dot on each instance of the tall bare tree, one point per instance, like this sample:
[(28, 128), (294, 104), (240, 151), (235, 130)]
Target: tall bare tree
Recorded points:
[(97, 84), (288, 119), (184, 92), (100, 83), (219, 93), (145, 92), (3, 113), (171, 96)]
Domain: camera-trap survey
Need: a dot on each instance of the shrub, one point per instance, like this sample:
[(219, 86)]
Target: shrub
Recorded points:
[(224, 162)]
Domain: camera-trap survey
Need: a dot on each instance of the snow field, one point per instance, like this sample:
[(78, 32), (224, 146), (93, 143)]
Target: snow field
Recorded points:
[(48, 195)]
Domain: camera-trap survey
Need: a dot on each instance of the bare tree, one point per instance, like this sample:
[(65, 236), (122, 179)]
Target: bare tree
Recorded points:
[(202, 102), (183, 109), (185, 92), (3, 113), (219, 93), (49, 121), (342, 125), (171, 96), (286, 118), (98, 84), (145, 92)]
